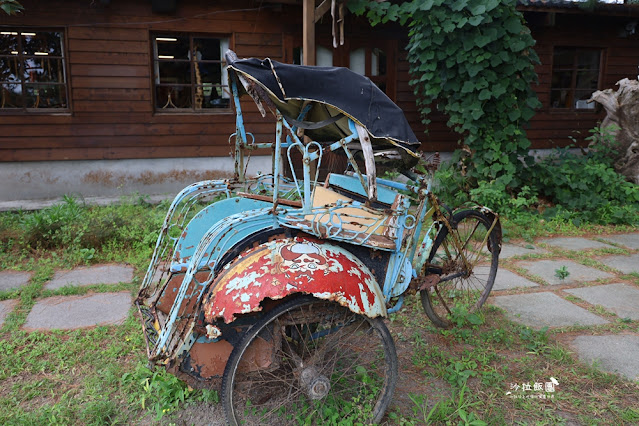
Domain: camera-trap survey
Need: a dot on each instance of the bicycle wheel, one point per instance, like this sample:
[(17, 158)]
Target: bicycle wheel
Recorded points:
[(309, 361), (462, 284)]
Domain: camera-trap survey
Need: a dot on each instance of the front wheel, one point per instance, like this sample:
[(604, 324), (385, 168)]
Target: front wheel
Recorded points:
[(466, 260), (310, 361)]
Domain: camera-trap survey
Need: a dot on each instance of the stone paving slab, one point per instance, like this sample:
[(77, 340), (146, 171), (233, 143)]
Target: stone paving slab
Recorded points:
[(10, 280), (84, 276), (510, 250), (612, 353), (621, 299), (624, 263), (71, 312), (6, 307), (627, 240), (545, 309), (577, 273), (506, 280), (574, 243)]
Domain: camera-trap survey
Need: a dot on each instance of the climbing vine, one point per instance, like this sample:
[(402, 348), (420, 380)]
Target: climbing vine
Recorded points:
[(11, 7), (474, 60)]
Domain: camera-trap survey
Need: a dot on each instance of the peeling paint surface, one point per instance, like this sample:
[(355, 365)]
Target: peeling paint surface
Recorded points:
[(298, 265)]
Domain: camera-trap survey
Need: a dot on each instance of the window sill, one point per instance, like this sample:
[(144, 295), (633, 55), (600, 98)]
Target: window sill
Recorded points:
[(572, 111), (34, 111), (217, 111)]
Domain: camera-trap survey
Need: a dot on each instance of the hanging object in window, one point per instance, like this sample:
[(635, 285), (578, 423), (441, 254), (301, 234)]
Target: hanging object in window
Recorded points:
[(32, 73)]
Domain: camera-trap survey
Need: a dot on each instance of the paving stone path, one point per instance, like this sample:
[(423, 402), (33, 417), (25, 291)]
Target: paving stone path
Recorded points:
[(71, 312), (533, 291), (527, 287)]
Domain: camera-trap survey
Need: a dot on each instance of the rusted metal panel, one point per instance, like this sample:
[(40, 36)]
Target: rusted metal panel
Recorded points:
[(282, 267)]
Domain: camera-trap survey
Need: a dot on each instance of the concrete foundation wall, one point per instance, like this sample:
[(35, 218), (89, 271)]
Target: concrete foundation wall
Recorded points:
[(49, 180)]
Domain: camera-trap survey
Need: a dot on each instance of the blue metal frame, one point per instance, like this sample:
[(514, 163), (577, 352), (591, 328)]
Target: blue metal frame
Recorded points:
[(216, 231)]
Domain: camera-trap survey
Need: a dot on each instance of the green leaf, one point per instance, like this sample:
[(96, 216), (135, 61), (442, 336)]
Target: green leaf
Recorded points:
[(478, 9), (474, 319), (482, 40), (513, 25), (468, 86), (357, 7), (449, 26), (425, 5), (476, 114), (517, 45), (458, 5), (484, 95), (475, 20)]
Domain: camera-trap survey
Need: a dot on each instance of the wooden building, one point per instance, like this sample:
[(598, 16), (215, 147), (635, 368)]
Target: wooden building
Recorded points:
[(95, 80)]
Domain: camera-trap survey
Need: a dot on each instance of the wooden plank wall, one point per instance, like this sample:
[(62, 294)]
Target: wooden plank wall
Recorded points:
[(110, 82), (109, 74), (551, 127), (548, 128)]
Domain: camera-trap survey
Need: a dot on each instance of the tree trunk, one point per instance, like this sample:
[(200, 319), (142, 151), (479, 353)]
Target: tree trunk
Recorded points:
[(622, 121)]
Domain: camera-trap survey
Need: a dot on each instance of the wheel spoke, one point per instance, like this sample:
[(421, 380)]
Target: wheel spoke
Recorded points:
[(349, 358), (458, 253)]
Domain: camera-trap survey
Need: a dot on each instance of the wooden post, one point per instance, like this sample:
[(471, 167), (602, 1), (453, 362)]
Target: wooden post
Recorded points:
[(308, 29)]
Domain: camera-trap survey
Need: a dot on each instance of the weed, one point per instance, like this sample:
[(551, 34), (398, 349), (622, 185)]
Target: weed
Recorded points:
[(562, 273), (534, 341), (162, 392)]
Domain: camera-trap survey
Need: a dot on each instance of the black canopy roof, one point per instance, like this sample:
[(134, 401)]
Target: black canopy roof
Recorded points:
[(338, 90)]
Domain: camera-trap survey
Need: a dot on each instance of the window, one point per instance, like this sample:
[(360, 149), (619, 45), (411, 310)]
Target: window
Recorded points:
[(189, 73), (575, 76), (32, 70), (360, 57), (371, 62)]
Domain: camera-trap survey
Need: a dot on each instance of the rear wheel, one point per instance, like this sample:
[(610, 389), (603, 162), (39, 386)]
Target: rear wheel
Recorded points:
[(310, 361), (463, 284)]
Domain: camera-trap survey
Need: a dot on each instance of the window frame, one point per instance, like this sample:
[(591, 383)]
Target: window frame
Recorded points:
[(64, 57), (574, 69), (154, 57)]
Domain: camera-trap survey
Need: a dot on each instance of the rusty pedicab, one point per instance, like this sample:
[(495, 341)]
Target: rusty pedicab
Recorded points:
[(276, 288)]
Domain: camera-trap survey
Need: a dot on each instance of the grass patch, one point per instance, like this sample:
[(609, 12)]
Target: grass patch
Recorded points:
[(99, 375)]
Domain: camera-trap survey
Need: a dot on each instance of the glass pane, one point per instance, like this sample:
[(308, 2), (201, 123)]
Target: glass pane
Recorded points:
[(560, 99), (172, 97), (563, 57), (378, 62), (11, 96), (175, 72), (212, 96), (8, 42), (9, 68), (45, 96), (562, 79), (587, 80), (43, 70), (324, 57), (42, 43), (207, 49), (588, 59), (297, 55), (357, 61), (208, 72), (581, 98), (172, 47)]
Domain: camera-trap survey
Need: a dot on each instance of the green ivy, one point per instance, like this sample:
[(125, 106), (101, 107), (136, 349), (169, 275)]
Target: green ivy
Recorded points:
[(474, 60), (11, 7)]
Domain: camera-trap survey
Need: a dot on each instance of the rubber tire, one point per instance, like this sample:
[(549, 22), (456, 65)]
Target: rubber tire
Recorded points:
[(444, 238), (377, 324)]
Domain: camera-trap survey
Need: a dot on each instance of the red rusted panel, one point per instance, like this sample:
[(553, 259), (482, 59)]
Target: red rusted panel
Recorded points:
[(169, 293), (208, 360), (298, 265)]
